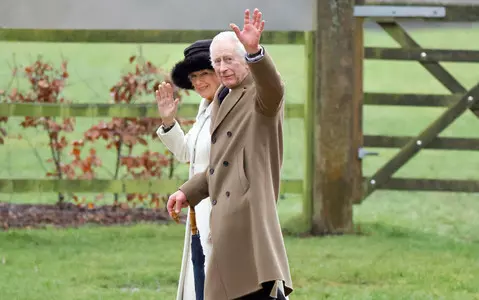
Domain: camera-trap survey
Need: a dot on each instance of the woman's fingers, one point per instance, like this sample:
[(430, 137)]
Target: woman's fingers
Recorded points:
[(164, 94)]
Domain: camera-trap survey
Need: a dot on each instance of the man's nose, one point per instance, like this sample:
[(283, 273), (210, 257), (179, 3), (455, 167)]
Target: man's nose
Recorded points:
[(223, 67)]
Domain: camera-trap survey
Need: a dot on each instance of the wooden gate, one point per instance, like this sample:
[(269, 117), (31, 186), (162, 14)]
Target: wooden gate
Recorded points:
[(460, 101)]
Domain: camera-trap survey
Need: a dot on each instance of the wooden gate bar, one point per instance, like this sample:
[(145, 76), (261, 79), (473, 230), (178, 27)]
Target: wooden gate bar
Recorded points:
[(456, 10), (358, 105), (431, 185), (377, 11), (381, 141), (410, 99), (441, 74), (424, 55), (423, 140)]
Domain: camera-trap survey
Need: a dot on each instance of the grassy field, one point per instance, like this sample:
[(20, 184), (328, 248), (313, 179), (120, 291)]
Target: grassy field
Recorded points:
[(412, 246)]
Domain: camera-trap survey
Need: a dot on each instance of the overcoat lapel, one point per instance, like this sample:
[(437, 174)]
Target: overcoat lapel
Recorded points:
[(220, 112)]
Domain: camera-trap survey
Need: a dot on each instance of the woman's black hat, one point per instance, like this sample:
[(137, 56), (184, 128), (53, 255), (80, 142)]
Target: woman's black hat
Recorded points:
[(197, 57)]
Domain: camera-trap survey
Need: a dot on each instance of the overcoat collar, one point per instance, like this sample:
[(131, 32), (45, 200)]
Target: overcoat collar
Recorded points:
[(235, 94)]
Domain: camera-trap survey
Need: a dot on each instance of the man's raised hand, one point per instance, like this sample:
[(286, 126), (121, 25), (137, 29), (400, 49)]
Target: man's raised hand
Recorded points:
[(251, 33)]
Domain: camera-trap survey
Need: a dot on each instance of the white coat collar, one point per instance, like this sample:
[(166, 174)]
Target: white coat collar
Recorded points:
[(205, 107)]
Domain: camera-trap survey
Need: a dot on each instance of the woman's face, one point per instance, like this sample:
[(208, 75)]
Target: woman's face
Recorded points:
[(205, 82)]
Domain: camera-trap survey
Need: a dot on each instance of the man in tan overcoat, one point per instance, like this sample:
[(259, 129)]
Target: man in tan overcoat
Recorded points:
[(248, 259)]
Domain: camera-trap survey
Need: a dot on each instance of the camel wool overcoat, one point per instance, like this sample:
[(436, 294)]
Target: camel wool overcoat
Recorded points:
[(242, 181)]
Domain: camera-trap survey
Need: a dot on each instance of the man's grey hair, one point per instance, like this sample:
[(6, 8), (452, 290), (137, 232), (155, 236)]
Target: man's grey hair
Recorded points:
[(229, 36)]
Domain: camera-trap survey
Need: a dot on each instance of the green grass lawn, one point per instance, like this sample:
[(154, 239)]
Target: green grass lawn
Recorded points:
[(412, 246)]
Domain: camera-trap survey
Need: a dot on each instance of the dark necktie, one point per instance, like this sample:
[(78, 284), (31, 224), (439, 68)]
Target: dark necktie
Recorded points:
[(222, 94)]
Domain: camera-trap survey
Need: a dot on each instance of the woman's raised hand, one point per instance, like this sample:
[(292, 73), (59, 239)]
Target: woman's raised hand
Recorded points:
[(167, 106)]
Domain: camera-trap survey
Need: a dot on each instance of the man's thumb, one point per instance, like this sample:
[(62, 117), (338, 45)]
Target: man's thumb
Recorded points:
[(178, 203)]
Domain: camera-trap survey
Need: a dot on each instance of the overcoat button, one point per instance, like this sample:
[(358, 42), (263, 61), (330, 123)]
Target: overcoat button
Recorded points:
[(229, 134), (212, 171), (227, 194), (213, 202), (225, 163)]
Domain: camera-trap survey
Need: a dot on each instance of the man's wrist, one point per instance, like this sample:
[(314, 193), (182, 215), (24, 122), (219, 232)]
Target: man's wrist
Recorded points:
[(254, 57), (254, 52)]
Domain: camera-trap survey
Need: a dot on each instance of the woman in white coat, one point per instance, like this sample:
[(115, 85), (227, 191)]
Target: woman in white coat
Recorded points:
[(194, 72)]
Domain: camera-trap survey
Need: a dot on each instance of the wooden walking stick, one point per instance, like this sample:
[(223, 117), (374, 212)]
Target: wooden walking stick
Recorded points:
[(194, 229)]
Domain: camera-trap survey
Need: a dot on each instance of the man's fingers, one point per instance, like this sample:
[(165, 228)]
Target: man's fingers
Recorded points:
[(256, 18), (170, 204), (235, 29), (178, 206), (258, 22), (246, 17), (261, 26)]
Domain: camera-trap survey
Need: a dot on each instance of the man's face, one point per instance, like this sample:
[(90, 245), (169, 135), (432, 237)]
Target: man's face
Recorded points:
[(230, 67)]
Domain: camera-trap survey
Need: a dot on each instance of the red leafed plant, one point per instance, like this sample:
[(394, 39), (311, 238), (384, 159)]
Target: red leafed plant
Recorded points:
[(46, 84), (147, 165), (125, 135), (78, 167)]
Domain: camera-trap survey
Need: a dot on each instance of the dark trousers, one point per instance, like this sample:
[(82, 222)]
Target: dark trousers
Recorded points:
[(263, 294)]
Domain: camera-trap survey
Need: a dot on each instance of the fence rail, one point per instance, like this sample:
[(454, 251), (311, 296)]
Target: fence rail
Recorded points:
[(162, 186), (185, 110), (189, 110), (165, 186)]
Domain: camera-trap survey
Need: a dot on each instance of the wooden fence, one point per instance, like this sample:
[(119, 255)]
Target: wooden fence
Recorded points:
[(459, 101)]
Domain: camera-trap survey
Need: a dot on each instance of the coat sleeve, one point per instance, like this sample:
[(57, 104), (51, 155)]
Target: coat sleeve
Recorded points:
[(196, 188), (269, 86), (176, 141)]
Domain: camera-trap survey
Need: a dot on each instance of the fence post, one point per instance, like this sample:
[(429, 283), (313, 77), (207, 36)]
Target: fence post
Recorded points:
[(308, 182), (358, 99), (335, 152)]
